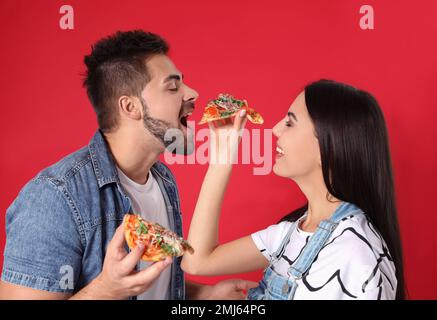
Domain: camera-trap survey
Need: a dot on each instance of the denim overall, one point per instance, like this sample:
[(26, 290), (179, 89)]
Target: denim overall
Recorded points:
[(274, 286)]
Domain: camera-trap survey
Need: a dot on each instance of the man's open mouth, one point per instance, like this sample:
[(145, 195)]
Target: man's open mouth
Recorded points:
[(184, 118)]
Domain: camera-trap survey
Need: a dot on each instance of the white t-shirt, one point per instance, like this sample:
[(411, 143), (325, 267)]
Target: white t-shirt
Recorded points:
[(148, 201), (353, 264)]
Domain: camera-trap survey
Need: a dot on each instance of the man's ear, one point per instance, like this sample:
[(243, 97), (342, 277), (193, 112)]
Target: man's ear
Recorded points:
[(130, 107)]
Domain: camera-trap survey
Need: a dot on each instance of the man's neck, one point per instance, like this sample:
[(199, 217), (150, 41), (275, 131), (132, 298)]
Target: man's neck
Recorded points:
[(134, 154)]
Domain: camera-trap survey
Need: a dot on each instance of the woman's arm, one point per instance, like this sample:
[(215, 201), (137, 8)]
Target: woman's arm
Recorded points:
[(209, 257)]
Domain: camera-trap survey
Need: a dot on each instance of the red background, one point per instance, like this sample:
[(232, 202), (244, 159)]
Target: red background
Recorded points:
[(264, 51)]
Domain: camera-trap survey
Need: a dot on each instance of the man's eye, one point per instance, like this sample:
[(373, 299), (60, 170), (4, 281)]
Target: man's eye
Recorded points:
[(173, 89)]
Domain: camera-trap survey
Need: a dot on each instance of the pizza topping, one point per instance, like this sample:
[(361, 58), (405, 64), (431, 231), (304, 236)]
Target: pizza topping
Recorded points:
[(168, 249), (142, 229), (228, 102), (212, 111), (226, 106)]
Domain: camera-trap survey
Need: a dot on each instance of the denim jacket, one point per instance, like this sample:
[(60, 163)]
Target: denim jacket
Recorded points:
[(58, 227)]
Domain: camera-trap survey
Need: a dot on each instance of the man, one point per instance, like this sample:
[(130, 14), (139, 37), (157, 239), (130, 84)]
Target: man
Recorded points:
[(64, 238)]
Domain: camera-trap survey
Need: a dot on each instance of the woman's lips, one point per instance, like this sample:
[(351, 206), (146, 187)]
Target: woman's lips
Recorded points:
[(279, 152)]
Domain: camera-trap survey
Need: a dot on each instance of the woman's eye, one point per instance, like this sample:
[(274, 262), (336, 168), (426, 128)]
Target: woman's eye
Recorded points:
[(173, 89), (288, 123)]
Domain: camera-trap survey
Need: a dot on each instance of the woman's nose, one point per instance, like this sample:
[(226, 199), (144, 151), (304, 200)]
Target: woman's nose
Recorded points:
[(276, 130)]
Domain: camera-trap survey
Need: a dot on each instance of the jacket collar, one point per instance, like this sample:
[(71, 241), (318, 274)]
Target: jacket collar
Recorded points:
[(104, 164), (101, 158)]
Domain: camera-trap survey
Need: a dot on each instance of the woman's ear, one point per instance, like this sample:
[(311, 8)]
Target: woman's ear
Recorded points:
[(130, 107), (319, 157)]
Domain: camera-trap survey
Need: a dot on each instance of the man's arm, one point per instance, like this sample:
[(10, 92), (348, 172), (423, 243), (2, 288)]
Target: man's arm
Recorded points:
[(117, 280), (9, 291), (42, 241)]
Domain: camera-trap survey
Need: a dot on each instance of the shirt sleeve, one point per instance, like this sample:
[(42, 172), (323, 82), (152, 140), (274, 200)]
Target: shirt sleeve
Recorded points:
[(268, 240), (379, 289), (43, 246), (356, 268)]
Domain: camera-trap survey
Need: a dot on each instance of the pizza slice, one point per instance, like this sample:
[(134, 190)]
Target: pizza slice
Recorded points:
[(159, 242), (226, 106)]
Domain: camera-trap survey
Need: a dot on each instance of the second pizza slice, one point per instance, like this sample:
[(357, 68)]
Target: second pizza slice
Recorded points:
[(159, 242)]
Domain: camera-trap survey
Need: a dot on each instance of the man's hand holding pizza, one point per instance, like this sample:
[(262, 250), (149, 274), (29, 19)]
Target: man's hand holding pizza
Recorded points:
[(118, 279)]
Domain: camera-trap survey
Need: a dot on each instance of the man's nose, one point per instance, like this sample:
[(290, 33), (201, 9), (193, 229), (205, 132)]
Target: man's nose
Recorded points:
[(191, 94)]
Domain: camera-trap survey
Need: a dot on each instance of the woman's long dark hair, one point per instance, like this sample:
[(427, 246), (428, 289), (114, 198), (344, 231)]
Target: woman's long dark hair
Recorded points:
[(355, 158)]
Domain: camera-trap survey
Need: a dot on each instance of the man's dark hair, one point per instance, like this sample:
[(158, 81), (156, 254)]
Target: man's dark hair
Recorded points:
[(116, 67)]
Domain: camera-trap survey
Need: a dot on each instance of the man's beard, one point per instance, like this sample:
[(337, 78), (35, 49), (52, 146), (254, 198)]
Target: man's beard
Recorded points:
[(171, 137)]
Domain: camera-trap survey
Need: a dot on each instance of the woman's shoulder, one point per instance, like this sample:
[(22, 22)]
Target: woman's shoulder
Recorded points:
[(357, 248), (275, 231), (357, 235), (269, 238)]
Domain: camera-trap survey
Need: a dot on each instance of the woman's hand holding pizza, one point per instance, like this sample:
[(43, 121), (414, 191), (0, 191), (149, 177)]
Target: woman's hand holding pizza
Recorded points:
[(226, 117), (225, 136)]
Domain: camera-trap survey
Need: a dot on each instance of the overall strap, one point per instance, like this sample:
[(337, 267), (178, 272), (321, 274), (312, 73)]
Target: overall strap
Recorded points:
[(319, 239), (280, 251)]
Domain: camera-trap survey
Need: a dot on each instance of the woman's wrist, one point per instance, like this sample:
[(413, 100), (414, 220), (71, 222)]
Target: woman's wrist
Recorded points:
[(220, 167)]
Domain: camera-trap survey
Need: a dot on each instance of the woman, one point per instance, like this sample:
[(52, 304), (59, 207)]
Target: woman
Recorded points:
[(344, 243)]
